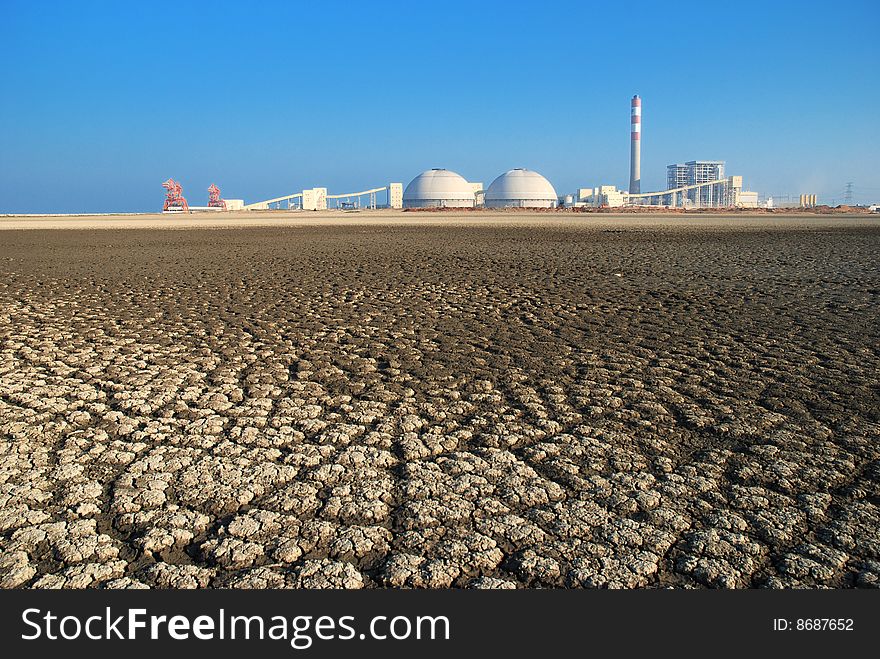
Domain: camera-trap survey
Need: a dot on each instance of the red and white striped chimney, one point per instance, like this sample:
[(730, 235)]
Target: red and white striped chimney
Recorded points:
[(635, 154)]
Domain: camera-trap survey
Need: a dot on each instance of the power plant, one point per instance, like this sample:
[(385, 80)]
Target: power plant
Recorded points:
[(694, 184)]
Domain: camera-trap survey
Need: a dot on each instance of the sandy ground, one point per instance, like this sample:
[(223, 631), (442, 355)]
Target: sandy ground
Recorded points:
[(420, 400), (209, 220)]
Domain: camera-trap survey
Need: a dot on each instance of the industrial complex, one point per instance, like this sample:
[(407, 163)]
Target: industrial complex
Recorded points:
[(693, 184)]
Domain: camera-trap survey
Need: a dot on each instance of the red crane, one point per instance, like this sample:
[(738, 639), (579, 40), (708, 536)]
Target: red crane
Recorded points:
[(174, 199), (214, 200)]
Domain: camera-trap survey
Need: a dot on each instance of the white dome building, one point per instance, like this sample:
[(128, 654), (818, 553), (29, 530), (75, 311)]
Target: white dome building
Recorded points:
[(439, 188), (520, 188)]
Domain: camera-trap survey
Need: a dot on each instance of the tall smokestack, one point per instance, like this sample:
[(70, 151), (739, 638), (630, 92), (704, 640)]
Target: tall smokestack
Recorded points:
[(635, 153)]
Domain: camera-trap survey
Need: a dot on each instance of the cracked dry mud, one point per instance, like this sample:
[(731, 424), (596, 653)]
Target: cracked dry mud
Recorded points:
[(463, 406)]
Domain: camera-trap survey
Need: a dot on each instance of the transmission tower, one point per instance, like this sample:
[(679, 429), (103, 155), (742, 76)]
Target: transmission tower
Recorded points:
[(847, 195)]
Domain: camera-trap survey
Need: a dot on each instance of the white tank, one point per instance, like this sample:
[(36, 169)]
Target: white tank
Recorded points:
[(438, 188), (520, 188)]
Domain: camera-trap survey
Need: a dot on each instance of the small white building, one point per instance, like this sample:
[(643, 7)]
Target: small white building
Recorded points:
[(320, 199), (308, 200), (314, 199), (395, 195), (605, 196), (583, 195), (746, 199)]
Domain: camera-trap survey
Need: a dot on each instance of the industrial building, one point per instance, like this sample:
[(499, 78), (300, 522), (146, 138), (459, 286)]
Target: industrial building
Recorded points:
[(635, 145), (746, 199), (604, 196), (807, 201), (520, 188), (703, 171), (676, 176), (694, 173), (439, 188), (722, 193), (693, 184), (317, 199)]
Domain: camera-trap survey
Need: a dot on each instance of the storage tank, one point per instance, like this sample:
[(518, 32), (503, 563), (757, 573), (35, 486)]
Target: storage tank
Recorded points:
[(520, 188), (438, 188)]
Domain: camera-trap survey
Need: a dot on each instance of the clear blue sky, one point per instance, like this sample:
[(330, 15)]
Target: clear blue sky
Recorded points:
[(102, 101)]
